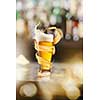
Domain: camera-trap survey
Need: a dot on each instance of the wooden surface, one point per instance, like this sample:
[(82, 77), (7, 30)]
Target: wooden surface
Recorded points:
[(31, 76)]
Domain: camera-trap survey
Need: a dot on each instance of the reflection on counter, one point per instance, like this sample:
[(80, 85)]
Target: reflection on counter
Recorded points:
[(66, 82)]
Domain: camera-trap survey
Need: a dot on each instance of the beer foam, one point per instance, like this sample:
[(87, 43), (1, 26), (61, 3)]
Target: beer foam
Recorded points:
[(40, 36)]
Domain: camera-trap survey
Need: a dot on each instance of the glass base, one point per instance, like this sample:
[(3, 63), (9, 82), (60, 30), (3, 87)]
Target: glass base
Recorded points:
[(45, 75)]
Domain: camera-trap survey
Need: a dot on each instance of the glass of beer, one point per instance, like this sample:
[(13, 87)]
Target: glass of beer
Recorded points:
[(44, 44)]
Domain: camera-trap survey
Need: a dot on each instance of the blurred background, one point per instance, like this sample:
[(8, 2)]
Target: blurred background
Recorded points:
[(64, 14)]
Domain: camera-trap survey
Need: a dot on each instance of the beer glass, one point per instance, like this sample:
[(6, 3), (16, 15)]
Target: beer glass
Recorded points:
[(44, 44)]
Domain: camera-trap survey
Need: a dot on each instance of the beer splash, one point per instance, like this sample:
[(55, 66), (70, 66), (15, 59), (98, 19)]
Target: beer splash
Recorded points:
[(46, 48)]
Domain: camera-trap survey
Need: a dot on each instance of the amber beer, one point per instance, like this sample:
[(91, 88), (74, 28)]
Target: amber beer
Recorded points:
[(44, 44), (47, 55)]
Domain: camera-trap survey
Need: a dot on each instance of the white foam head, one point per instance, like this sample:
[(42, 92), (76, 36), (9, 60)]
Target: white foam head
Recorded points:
[(40, 36)]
